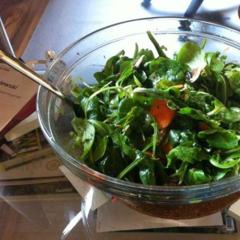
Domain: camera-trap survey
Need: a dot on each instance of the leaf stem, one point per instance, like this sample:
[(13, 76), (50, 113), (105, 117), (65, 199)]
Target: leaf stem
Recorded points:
[(103, 89), (130, 167), (156, 45)]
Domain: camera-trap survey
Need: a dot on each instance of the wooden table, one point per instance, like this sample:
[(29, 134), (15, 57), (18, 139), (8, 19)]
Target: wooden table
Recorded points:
[(20, 18)]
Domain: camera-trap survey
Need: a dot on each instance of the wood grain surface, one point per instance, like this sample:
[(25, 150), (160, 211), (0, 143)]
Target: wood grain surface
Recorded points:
[(20, 18)]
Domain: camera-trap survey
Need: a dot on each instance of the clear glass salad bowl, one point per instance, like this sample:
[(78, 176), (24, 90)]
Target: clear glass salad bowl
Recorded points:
[(78, 63)]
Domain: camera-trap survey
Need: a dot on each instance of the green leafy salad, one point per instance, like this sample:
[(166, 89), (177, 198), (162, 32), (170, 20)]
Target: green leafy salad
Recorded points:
[(157, 120)]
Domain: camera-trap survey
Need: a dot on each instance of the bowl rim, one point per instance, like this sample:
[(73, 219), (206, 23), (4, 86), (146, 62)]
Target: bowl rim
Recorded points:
[(70, 46), (111, 180)]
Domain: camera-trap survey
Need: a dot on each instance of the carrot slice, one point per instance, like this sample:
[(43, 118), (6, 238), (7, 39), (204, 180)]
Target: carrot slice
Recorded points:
[(167, 148), (162, 113), (203, 126)]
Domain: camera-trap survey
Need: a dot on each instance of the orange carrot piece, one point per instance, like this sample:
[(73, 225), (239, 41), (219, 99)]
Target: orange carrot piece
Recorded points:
[(167, 148), (162, 113), (203, 126)]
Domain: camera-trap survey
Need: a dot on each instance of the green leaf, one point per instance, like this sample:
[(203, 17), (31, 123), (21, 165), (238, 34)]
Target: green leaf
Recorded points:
[(228, 162), (136, 81), (125, 105), (186, 154), (140, 157), (122, 142), (163, 84), (199, 100), (215, 61), (233, 76), (221, 174), (191, 54), (86, 134), (156, 44), (101, 128), (219, 108), (220, 138), (183, 137), (181, 172), (147, 53), (100, 148), (136, 51), (221, 89), (77, 91), (110, 67), (126, 69), (155, 137), (147, 176), (198, 115), (197, 176), (147, 95), (168, 69), (92, 108), (113, 163), (231, 115)]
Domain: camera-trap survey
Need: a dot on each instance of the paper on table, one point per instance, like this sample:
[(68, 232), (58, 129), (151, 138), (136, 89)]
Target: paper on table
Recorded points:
[(234, 210), (112, 217), (16, 91), (98, 198), (27, 125)]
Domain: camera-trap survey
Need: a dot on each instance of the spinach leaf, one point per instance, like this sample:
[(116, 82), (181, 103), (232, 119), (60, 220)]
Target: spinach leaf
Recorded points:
[(183, 137), (199, 100), (228, 162), (86, 134), (92, 108), (197, 176), (147, 172), (124, 106), (167, 69), (110, 68), (148, 55), (186, 154), (215, 62), (198, 115), (123, 143), (147, 95), (102, 128), (147, 176), (191, 54), (126, 70), (113, 163), (100, 148), (221, 174), (220, 138), (231, 115), (205, 102), (233, 75), (218, 109), (221, 89)]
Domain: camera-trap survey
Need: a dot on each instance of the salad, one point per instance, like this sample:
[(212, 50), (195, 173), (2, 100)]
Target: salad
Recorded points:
[(157, 120)]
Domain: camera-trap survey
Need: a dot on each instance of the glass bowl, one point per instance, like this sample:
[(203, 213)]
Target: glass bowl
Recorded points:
[(88, 55)]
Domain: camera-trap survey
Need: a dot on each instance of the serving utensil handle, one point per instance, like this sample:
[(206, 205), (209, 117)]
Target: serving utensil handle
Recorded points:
[(23, 69)]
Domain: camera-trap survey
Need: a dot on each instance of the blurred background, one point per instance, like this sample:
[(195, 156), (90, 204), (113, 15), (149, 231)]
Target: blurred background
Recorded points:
[(54, 24)]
